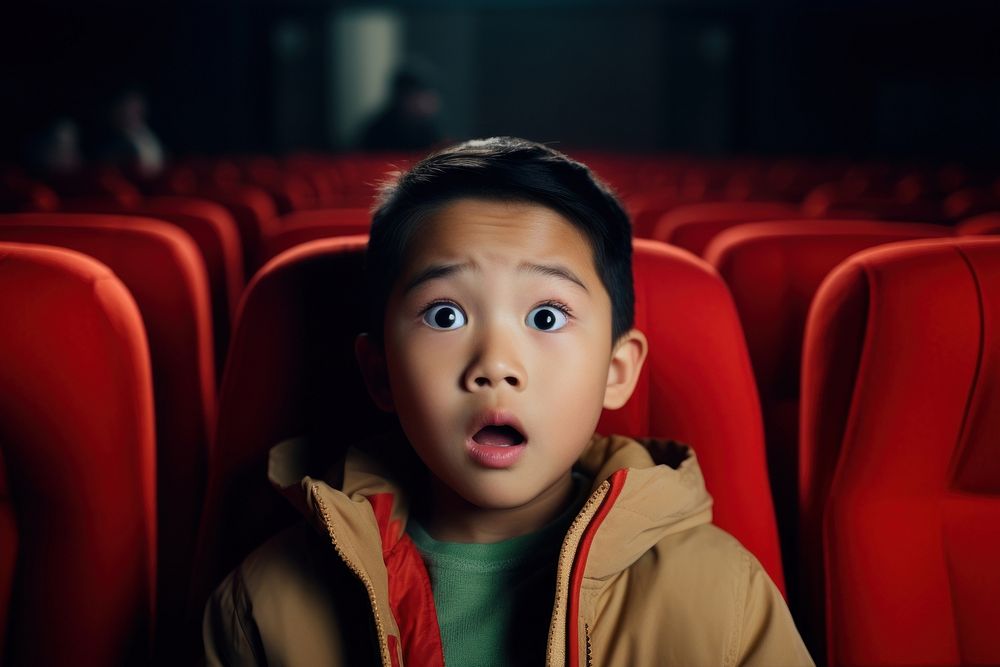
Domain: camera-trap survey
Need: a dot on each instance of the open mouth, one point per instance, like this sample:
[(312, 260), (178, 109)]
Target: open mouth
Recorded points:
[(498, 436)]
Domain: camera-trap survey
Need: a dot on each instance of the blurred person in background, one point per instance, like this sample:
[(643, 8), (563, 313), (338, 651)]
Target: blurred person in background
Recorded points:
[(409, 120), (131, 143)]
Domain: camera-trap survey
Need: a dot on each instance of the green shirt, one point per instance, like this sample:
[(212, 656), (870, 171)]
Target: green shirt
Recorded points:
[(494, 601)]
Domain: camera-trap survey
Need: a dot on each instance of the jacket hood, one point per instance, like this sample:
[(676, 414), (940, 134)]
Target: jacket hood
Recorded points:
[(664, 491)]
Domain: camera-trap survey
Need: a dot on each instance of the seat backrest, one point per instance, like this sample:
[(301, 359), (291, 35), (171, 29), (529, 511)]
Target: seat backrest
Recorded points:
[(646, 208), (827, 202), (292, 371), (161, 267), (987, 223), (900, 477), (697, 387), (773, 270), (100, 182), (18, 193), (970, 202), (78, 445), (693, 226), (302, 226), (255, 214), (327, 216), (8, 551), (214, 231)]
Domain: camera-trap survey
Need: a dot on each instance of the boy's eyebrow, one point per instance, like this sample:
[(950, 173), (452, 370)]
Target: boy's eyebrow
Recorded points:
[(553, 270), (435, 271)]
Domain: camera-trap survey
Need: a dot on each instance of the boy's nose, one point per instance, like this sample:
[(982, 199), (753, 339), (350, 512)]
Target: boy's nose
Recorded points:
[(493, 368)]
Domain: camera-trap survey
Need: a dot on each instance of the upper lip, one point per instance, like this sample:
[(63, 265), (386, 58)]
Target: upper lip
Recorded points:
[(496, 417)]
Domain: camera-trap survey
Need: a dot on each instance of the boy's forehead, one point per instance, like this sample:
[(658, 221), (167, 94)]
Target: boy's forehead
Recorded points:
[(491, 230)]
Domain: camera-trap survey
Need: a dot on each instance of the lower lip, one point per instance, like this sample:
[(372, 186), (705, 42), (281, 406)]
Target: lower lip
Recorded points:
[(491, 456)]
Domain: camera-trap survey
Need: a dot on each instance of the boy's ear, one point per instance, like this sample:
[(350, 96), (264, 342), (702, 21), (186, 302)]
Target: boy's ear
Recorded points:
[(623, 372), (371, 359)]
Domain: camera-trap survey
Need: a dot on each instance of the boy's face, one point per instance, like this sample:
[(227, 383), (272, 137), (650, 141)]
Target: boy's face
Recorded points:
[(498, 351)]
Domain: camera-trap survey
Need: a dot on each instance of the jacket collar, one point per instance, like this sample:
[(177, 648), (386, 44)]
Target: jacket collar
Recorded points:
[(664, 493)]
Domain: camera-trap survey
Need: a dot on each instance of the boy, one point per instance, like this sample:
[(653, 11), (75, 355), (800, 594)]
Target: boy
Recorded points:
[(500, 325)]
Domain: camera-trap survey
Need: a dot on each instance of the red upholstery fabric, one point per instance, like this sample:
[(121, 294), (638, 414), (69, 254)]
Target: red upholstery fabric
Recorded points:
[(254, 211), (214, 231), (8, 550), (647, 208), (693, 226), (292, 371), (319, 172), (289, 190), (829, 202), (77, 412), (899, 469), (18, 193), (161, 267), (697, 387), (773, 270), (987, 223), (970, 202), (302, 226), (327, 216), (102, 182)]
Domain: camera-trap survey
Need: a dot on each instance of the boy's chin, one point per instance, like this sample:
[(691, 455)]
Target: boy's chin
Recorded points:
[(502, 495), (498, 501)]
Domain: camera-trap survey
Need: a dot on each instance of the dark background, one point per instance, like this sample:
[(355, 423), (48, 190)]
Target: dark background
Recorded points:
[(858, 79)]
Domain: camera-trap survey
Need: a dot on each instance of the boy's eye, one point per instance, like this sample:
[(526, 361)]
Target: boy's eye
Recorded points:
[(546, 318), (444, 316)]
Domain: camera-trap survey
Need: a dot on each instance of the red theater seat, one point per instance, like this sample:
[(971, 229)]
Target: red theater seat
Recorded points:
[(8, 545), (78, 446), (970, 202), (697, 387), (646, 209), (357, 217), (693, 226), (214, 230), (292, 371), (320, 174), (99, 183), (831, 202), (18, 193), (255, 213), (900, 477), (215, 233), (791, 180), (987, 223), (302, 226), (360, 175), (773, 269), (160, 266), (290, 191)]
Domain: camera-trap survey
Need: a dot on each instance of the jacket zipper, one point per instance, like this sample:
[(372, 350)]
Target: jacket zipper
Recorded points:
[(565, 565), (590, 646), (596, 508), (360, 574)]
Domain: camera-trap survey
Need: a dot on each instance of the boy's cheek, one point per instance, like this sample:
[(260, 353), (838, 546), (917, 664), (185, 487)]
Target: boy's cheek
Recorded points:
[(428, 362)]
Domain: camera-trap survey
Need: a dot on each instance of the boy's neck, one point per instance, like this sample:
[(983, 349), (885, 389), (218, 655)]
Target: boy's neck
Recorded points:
[(451, 518)]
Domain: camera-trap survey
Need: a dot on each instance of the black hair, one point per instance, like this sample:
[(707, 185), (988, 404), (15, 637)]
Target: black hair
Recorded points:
[(504, 169)]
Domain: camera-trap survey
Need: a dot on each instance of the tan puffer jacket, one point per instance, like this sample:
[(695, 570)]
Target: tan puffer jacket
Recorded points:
[(643, 577)]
